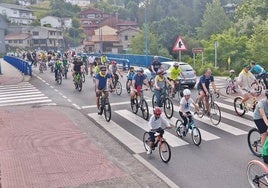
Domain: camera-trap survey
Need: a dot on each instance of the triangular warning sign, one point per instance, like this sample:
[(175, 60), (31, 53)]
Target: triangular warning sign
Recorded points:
[(179, 45)]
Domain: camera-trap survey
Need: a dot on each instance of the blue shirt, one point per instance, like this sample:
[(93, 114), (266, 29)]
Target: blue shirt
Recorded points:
[(206, 81), (130, 75), (139, 79), (103, 80)]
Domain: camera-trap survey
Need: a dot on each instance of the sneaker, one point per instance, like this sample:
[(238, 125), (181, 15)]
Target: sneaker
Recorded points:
[(149, 151), (100, 111)]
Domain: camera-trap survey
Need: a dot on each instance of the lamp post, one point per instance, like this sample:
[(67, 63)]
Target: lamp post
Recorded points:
[(216, 46), (146, 32)]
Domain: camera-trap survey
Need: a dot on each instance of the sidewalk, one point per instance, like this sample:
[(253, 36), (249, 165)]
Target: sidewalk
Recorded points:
[(54, 146)]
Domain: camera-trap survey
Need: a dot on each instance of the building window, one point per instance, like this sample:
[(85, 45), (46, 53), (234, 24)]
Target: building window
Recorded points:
[(20, 41), (35, 33), (126, 37)]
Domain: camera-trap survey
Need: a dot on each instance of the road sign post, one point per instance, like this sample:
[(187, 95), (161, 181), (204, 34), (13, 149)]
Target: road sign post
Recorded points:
[(198, 51)]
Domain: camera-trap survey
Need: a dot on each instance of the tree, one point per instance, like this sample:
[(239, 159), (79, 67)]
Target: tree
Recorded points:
[(214, 20)]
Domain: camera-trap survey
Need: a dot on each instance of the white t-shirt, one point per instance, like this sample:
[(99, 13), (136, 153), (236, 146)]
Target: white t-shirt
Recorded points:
[(157, 123), (185, 104), (91, 59)]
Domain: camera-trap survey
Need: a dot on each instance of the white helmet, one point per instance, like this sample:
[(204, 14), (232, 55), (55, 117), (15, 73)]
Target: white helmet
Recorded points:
[(186, 92)]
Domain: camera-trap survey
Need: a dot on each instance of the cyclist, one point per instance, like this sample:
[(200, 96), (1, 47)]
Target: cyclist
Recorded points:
[(184, 109), (157, 123), (130, 76), (58, 67), (65, 63), (101, 84), (113, 68), (175, 72), (77, 64), (259, 71), (138, 80), (260, 117), (203, 87), (244, 81), (160, 84), (155, 65), (104, 60), (91, 60)]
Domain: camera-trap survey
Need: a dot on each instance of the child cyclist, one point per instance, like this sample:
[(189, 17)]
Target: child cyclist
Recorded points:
[(130, 76), (157, 123), (184, 109)]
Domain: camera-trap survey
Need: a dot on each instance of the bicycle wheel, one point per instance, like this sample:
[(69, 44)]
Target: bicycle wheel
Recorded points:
[(118, 88), (168, 108), (146, 141), (254, 142), (201, 107), (151, 82), (164, 151), (257, 174), (135, 106), (196, 136), (154, 101), (228, 90), (59, 79), (83, 77), (107, 111), (215, 114), (238, 106), (79, 85), (258, 87), (144, 109), (178, 127)]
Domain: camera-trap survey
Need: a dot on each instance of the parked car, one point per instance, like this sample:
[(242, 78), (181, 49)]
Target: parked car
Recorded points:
[(187, 71)]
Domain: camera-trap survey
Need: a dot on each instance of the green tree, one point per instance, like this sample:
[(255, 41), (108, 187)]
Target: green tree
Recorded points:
[(214, 20)]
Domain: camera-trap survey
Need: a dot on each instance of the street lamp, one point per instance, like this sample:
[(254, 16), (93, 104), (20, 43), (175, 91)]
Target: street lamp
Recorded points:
[(216, 46), (146, 31)]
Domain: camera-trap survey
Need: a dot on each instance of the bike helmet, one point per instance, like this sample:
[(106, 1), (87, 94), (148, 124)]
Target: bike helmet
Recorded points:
[(103, 68), (176, 64), (157, 111), (160, 71), (186, 92), (113, 62), (140, 70), (266, 93), (232, 71)]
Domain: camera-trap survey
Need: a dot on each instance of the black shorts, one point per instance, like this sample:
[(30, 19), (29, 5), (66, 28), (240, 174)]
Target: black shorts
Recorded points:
[(261, 125)]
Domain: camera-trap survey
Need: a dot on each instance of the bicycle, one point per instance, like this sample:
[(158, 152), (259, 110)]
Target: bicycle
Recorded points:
[(117, 84), (257, 174), (215, 112), (164, 148), (104, 105), (191, 128), (128, 86), (177, 89), (59, 76), (65, 70), (78, 81), (83, 71), (166, 102), (242, 108), (140, 102), (231, 87), (259, 86), (254, 142)]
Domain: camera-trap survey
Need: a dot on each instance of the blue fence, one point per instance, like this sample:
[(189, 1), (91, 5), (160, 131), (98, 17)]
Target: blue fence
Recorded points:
[(23, 66)]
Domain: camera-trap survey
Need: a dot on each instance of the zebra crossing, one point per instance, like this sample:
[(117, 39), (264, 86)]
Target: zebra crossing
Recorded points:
[(135, 143), (22, 94)]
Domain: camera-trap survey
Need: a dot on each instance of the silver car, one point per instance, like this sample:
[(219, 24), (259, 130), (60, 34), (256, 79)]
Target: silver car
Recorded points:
[(187, 71)]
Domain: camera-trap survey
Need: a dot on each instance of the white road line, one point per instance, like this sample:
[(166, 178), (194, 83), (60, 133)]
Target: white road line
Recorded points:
[(21, 97), (18, 94), (133, 143), (30, 102), (138, 121)]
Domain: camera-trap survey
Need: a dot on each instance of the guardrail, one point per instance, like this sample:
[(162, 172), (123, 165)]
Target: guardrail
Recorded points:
[(23, 66)]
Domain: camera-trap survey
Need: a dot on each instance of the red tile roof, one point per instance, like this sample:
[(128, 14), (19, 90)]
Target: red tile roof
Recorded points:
[(21, 36)]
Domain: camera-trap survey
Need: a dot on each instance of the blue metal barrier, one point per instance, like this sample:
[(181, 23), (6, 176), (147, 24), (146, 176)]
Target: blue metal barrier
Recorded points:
[(23, 66)]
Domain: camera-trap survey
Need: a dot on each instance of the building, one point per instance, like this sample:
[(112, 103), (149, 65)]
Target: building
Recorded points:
[(3, 27), (17, 14), (125, 36), (81, 3), (56, 22), (44, 38)]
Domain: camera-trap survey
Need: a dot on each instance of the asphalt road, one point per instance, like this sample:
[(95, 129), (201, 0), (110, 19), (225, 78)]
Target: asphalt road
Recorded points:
[(220, 160)]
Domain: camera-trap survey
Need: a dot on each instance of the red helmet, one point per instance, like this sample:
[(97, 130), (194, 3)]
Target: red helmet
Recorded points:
[(157, 111), (113, 62)]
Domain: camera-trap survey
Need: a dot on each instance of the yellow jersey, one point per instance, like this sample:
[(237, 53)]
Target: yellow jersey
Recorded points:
[(174, 73)]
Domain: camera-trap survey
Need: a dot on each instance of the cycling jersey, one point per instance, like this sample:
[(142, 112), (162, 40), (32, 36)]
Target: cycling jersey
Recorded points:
[(139, 79), (161, 82), (185, 104), (174, 73), (130, 75), (156, 65), (77, 66), (103, 80), (58, 65), (206, 81), (257, 69)]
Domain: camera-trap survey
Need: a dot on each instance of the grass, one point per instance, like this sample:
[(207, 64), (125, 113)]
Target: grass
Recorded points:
[(41, 9)]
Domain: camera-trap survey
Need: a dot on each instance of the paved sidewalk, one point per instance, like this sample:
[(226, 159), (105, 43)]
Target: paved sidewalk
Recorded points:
[(53, 146)]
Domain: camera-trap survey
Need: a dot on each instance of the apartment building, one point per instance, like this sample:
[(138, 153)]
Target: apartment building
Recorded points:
[(17, 14)]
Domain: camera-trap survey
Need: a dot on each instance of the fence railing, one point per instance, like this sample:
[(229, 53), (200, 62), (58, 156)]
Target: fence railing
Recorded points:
[(23, 66)]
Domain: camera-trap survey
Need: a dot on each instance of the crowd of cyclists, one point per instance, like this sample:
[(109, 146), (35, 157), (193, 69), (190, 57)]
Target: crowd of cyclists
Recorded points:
[(103, 71)]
